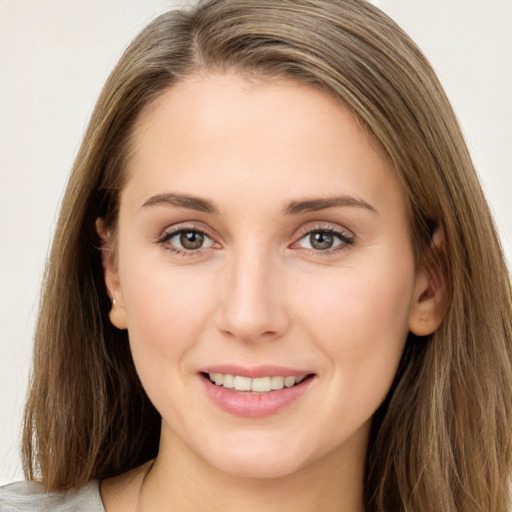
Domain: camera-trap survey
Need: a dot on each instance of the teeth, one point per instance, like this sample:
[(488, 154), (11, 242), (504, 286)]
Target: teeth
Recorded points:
[(229, 381), (242, 383), (261, 384), (289, 382), (257, 385), (277, 383)]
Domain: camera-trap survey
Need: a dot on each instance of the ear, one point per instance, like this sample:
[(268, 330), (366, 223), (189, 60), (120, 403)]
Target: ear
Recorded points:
[(430, 298), (117, 313)]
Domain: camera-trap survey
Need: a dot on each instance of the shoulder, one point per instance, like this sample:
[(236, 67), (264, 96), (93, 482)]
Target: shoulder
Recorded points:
[(32, 497)]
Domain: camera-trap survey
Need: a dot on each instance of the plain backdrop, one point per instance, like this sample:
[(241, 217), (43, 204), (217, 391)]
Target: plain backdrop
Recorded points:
[(54, 58)]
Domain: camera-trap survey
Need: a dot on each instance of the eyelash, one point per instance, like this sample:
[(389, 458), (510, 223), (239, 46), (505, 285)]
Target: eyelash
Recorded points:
[(345, 238), (177, 230)]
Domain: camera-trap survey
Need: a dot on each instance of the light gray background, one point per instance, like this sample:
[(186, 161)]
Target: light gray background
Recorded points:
[(54, 58)]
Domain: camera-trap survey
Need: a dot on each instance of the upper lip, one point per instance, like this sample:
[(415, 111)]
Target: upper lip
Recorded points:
[(254, 372)]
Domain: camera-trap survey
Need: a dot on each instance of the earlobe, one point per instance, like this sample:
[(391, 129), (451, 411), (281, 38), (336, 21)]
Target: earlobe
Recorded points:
[(117, 313), (430, 293), (427, 310)]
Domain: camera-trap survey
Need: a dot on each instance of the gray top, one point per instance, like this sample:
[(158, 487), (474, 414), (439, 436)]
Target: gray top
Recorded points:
[(32, 497)]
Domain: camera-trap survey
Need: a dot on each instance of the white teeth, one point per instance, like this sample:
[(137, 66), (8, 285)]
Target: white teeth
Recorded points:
[(289, 382), (261, 384), (242, 383), (257, 385), (229, 381), (277, 383)]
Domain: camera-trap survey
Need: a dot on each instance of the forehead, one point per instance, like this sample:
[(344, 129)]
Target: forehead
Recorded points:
[(214, 130), (212, 100)]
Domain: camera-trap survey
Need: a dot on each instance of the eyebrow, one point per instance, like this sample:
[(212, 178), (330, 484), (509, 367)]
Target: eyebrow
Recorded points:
[(293, 208), (182, 201), (314, 205)]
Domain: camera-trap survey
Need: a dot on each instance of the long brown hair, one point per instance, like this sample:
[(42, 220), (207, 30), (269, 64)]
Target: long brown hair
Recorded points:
[(442, 440)]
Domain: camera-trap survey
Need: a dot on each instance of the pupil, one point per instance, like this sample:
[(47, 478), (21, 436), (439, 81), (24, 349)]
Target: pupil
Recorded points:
[(321, 241), (191, 239)]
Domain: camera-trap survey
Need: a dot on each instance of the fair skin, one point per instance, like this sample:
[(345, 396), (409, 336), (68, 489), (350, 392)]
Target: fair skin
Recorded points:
[(293, 256)]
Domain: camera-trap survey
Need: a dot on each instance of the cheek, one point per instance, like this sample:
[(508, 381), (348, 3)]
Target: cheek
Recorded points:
[(166, 309), (352, 303), (359, 320)]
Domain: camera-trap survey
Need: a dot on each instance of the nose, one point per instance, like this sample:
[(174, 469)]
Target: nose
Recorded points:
[(252, 304)]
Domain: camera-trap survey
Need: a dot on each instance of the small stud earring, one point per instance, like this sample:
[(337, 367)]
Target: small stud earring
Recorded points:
[(114, 302)]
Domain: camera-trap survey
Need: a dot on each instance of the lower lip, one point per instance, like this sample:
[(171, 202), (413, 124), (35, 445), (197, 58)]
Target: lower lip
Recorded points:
[(254, 405)]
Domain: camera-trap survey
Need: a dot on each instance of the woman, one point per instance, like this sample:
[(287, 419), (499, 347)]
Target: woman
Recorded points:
[(275, 282)]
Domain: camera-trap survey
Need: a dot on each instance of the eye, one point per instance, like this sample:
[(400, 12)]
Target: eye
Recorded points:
[(190, 240), (185, 240), (325, 239)]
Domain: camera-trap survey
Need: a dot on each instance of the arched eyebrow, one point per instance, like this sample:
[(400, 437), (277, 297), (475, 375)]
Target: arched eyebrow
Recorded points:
[(293, 208), (182, 201), (317, 204)]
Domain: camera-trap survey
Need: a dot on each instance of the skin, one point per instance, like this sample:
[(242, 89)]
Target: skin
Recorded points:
[(259, 293)]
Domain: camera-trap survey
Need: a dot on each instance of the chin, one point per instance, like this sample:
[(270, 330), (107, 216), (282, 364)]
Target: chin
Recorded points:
[(258, 460), (259, 468)]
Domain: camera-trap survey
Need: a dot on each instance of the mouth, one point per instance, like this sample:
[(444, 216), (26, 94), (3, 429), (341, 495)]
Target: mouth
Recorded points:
[(258, 385), (256, 391)]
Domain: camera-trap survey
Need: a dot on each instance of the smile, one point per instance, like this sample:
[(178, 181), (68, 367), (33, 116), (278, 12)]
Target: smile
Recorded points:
[(254, 385), (267, 391)]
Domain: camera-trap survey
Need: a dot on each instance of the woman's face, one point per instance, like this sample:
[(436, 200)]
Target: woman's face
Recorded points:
[(262, 237)]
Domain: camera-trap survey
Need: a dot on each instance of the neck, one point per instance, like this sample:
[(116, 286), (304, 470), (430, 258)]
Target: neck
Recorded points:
[(179, 480)]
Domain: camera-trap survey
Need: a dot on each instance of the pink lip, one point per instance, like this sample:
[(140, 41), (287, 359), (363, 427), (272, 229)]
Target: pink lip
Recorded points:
[(254, 405)]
